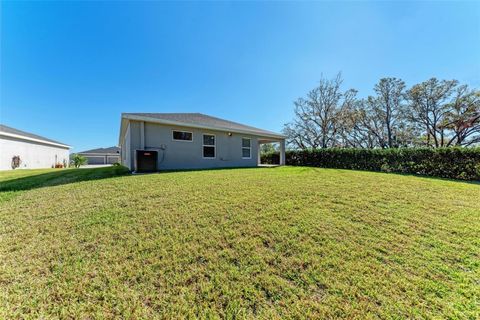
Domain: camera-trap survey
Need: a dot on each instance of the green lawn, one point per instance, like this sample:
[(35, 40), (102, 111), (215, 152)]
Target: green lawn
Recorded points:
[(279, 242)]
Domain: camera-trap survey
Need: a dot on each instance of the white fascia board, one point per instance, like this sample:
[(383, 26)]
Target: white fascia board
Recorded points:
[(12, 135), (189, 125)]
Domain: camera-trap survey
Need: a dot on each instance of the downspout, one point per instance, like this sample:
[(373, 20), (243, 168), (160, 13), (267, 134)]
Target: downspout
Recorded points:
[(142, 135)]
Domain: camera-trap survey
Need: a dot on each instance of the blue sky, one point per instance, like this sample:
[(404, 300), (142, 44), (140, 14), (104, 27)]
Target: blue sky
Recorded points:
[(68, 69)]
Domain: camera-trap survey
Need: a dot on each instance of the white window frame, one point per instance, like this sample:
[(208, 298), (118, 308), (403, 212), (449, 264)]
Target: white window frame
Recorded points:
[(209, 145), (175, 130), (250, 148)]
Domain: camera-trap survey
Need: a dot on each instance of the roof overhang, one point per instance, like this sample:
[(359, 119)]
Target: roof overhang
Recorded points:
[(127, 117), (18, 136)]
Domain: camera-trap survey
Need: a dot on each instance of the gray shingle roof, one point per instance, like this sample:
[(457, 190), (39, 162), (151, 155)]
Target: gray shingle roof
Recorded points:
[(199, 119), (111, 150), (6, 129)]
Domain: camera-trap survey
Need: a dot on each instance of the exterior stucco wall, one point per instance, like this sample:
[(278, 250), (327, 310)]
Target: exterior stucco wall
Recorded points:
[(33, 155), (189, 154)]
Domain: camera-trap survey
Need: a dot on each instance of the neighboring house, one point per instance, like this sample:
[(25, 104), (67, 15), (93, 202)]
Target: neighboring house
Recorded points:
[(20, 149), (157, 141), (102, 155)]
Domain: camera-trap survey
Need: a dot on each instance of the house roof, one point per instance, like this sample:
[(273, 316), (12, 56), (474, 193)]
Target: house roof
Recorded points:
[(12, 132), (109, 150), (199, 120)]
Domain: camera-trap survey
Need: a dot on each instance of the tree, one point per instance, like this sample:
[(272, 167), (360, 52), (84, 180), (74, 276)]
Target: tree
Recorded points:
[(436, 113), (78, 160), (373, 119), (464, 117), (268, 148), (316, 121), (351, 130), (429, 107), (387, 106), (378, 120)]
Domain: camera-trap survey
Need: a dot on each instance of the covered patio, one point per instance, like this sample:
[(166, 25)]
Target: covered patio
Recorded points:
[(280, 141)]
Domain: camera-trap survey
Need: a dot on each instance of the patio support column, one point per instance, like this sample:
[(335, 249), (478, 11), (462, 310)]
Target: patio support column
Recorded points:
[(259, 161), (282, 152)]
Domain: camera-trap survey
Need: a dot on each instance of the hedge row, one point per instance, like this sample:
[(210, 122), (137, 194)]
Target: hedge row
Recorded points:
[(454, 163)]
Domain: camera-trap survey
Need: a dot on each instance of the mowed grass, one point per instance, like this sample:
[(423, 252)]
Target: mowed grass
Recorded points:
[(285, 242)]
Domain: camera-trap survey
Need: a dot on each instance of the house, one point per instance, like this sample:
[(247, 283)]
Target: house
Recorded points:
[(101, 156), (166, 141), (20, 149)]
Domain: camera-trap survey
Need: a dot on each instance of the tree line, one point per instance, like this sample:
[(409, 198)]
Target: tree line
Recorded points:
[(434, 113)]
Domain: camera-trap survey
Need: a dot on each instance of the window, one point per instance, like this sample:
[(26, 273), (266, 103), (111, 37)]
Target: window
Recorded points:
[(246, 148), (182, 135), (209, 146)]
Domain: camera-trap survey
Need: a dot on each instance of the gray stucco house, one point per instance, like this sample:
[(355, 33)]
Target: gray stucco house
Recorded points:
[(168, 141), (102, 156)]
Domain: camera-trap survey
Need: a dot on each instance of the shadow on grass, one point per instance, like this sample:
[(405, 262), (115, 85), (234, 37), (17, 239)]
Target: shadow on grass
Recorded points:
[(61, 177)]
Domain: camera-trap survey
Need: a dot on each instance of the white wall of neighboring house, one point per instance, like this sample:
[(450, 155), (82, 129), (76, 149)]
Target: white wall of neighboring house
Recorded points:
[(33, 155)]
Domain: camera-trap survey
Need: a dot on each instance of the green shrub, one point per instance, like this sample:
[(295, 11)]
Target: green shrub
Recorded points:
[(79, 160), (270, 157), (454, 163)]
